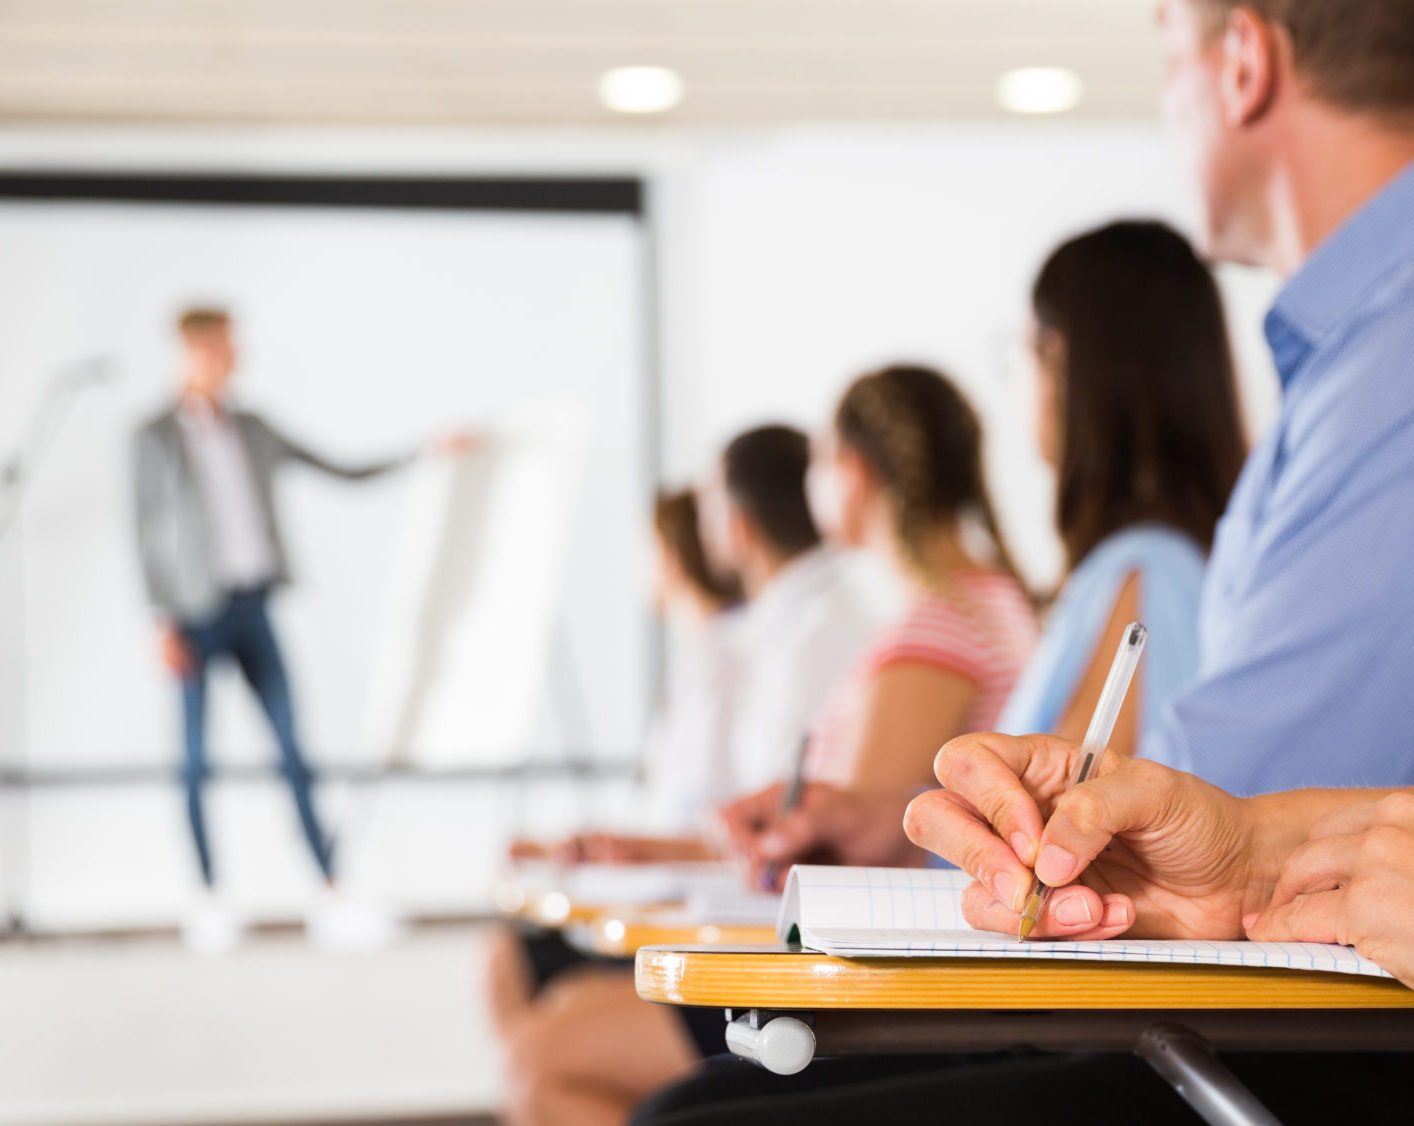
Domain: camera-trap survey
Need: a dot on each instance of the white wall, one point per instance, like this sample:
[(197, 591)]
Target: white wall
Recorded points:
[(792, 258)]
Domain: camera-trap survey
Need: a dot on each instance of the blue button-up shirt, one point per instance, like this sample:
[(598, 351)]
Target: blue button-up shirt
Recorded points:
[(1307, 628)]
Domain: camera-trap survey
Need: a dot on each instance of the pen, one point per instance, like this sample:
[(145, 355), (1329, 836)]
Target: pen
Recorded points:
[(1097, 738), (795, 789)]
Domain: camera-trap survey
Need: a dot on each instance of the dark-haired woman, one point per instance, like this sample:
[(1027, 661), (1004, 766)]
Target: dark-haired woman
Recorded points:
[(688, 764), (688, 769), (1138, 415)]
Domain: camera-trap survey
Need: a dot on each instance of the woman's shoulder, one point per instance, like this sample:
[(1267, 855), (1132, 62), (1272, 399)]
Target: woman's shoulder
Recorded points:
[(943, 626), (1144, 548)]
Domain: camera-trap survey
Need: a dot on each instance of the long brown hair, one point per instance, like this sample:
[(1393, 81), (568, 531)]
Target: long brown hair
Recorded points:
[(676, 522), (923, 440), (1150, 424)]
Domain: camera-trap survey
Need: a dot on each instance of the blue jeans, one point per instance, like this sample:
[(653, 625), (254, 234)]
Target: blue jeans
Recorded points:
[(242, 631)]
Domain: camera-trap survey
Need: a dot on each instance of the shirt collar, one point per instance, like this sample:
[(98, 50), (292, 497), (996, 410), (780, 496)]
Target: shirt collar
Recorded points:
[(1339, 274), (195, 410)]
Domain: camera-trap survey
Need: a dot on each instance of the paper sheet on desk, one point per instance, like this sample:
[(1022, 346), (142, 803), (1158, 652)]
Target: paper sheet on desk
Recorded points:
[(917, 913), (470, 621)]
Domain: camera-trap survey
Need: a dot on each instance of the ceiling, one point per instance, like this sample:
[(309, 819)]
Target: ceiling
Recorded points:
[(536, 62)]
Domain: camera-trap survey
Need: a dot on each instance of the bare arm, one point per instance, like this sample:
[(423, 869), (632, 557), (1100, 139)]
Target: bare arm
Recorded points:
[(1076, 719), (911, 709)]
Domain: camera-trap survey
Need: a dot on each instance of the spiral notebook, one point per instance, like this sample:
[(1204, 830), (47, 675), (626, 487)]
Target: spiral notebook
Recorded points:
[(917, 913)]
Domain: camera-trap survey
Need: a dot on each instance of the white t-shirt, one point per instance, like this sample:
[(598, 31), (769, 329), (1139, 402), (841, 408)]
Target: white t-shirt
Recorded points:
[(800, 636), (245, 557), (689, 746)]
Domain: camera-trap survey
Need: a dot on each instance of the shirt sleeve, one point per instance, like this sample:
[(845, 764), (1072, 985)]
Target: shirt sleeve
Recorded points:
[(1309, 629), (288, 449)]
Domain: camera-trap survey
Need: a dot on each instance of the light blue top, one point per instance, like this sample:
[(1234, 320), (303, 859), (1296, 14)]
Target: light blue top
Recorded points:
[(1307, 629), (1170, 569)]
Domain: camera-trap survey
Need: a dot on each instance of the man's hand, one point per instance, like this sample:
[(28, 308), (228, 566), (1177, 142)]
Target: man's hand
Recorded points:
[(829, 826), (1352, 883), (176, 653), (1156, 853)]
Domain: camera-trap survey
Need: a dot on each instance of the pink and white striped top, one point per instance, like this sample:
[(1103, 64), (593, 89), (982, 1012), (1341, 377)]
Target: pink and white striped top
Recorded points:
[(983, 629)]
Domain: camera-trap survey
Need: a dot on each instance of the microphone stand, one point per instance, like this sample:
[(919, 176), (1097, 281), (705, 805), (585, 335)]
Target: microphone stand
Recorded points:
[(16, 473)]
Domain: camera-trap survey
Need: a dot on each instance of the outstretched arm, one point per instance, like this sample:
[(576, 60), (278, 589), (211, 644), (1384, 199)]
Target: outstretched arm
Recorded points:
[(296, 451)]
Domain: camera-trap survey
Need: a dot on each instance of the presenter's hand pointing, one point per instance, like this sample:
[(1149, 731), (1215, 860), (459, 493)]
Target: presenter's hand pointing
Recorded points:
[(453, 444)]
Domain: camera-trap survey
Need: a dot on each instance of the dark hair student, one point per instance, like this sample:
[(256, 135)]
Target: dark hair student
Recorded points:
[(764, 473), (1149, 428)]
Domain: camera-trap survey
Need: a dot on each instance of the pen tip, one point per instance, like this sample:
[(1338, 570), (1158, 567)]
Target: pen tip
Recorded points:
[(1024, 931)]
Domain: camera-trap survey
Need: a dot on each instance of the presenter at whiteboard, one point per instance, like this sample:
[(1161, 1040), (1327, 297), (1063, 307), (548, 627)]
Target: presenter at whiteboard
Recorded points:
[(211, 551)]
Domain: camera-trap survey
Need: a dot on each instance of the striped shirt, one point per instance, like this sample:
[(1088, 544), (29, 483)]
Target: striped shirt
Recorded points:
[(983, 631)]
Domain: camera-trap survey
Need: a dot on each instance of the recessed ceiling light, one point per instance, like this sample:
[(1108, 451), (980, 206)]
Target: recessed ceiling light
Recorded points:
[(1040, 89), (640, 89)]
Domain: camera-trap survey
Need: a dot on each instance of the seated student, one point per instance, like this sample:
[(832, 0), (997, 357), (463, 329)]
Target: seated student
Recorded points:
[(809, 611), (1143, 469), (1145, 851), (902, 472), (687, 764), (901, 475)]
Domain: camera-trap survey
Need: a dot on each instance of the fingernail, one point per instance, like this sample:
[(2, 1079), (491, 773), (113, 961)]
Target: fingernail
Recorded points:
[(1005, 888), (1074, 911), (772, 844), (1024, 849), (1055, 866), (1249, 921), (1116, 915)]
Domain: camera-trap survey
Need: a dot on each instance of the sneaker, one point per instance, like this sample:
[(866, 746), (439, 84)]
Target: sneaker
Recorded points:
[(335, 922), (211, 928)]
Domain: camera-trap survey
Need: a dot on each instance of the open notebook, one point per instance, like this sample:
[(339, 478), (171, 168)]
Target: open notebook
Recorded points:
[(917, 913)]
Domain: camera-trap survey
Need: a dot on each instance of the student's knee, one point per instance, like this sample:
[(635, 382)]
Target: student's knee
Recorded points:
[(507, 978)]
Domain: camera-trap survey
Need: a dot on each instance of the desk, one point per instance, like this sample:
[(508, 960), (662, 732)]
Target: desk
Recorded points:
[(552, 908), (784, 1006), (621, 934)]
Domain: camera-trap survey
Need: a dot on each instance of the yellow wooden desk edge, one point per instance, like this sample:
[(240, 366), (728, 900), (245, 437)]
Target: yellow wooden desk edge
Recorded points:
[(769, 977), (620, 934)]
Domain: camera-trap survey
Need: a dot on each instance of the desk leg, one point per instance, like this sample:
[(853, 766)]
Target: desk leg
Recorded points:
[(1189, 1064)]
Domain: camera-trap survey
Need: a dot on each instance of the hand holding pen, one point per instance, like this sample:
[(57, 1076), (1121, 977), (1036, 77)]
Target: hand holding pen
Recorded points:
[(1097, 738)]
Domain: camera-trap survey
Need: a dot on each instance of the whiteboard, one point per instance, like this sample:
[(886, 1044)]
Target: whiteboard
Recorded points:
[(361, 331)]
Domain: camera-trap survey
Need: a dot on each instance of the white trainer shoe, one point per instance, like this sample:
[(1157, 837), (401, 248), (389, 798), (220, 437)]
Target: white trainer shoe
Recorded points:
[(212, 928), (337, 923)]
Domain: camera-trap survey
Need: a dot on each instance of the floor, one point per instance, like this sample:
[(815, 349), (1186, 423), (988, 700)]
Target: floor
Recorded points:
[(121, 1032)]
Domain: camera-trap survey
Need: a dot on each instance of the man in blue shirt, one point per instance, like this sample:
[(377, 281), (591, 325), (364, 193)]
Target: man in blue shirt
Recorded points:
[(1302, 139)]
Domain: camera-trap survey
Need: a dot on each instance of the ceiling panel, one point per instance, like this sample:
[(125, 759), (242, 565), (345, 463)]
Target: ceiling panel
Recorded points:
[(537, 61)]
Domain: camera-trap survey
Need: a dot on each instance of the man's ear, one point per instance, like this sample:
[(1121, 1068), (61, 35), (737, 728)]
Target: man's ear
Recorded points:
[(1252, 49)]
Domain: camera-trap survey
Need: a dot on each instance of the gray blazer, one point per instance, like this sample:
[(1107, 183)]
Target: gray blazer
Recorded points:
[(173, 526)]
